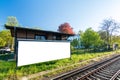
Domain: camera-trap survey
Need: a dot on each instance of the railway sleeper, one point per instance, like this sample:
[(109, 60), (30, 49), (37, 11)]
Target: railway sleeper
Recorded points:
[(115, 69), (76, 77), (101, 77), (88, 78), (117, 78), (105, 75), (93, 77), (108, 72), (71, 78)]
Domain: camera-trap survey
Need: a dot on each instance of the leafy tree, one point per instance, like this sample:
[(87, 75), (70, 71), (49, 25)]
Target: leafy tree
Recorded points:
[(66, 28), (74, 43), (116, 39), (103, 35), (90, 39), (80, 32), (12, 21), (5, 35), (2, 42), (109, 26)]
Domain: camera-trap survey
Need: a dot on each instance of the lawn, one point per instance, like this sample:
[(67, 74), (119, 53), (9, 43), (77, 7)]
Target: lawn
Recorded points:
[(8, 68)]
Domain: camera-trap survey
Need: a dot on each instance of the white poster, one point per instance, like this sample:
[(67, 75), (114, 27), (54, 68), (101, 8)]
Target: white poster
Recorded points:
[(30, 52)]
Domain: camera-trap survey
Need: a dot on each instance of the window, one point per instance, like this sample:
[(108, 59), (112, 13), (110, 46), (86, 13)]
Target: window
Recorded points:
[(39, 37), (58, 37), (54, 37)]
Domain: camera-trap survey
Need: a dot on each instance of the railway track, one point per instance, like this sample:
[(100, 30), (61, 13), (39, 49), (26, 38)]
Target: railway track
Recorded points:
[(106, 70)]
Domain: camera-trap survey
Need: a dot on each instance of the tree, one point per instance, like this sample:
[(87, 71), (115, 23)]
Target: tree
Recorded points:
[(6, 38), (103, 35), (109, 26), (80, 32), (2, 42), (90, 39), (12, 21), (65, 28), (74, 43), (116, 39)]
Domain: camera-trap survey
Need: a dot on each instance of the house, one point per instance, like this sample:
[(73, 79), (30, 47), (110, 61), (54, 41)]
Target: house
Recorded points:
[(37, 34), (34, 45)]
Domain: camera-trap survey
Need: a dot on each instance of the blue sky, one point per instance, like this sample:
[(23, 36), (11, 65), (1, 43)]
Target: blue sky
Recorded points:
[(49, 14)]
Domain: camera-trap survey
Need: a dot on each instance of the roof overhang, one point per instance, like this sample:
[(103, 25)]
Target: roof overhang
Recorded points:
[(36, 30)]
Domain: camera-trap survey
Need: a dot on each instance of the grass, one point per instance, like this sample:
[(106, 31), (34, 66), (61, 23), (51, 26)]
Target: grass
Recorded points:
[(8, 68)]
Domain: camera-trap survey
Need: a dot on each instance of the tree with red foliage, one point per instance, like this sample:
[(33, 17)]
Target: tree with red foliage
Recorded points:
[(65, 28)]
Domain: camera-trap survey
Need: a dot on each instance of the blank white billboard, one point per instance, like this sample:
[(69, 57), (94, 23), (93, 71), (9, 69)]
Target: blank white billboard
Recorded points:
[(30, 52)]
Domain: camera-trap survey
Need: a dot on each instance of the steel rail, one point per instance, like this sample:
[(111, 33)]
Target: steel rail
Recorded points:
[(115, 75), (77, 71), (98, 69)]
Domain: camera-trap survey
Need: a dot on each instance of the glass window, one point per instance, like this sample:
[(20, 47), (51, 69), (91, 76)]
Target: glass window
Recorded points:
[(39, 37)]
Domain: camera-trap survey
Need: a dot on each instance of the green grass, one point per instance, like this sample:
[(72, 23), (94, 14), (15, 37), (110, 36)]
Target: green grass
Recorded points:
[(8, 68)]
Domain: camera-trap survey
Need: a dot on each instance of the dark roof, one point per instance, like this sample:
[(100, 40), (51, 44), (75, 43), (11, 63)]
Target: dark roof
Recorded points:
[(32, 29)]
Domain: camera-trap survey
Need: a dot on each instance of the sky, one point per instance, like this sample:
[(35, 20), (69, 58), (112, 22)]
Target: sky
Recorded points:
[(49, 14)]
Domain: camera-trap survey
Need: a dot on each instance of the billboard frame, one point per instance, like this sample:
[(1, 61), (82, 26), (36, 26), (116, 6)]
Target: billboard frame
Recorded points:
[(16, 49)]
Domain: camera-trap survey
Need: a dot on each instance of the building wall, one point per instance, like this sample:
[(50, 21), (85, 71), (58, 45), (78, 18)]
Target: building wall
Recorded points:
[(28, 34), (49, 37), (21, 34)]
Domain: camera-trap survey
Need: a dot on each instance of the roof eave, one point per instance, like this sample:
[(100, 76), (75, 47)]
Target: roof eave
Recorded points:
[(13, 27)]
